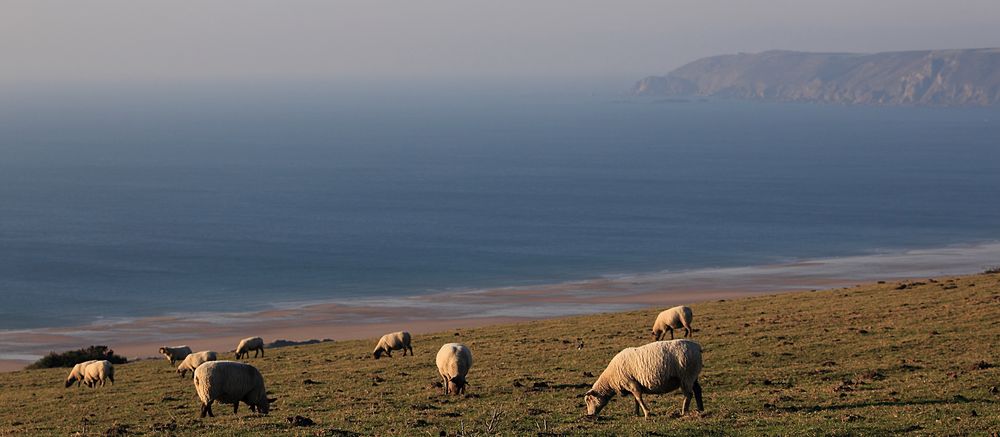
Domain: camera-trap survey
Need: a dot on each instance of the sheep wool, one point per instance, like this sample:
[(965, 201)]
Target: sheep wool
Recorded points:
[(98, 372), (230, 382), (656, 368), (194, 360), (453, 363), (175, 353), (674, 318), (76, 374), (393, 342), (255, 344)]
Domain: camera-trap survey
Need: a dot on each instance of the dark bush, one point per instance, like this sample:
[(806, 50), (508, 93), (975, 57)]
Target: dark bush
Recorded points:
[(71, 358), (992, 270)]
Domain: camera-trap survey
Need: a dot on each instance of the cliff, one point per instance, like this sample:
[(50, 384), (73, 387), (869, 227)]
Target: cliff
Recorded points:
[(929, 77)]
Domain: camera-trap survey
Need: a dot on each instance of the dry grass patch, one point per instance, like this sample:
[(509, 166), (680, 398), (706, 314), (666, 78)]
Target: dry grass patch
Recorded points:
[(873, 359)]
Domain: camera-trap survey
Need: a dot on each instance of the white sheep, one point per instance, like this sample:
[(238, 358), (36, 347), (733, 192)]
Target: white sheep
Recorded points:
[(175, 353), (656, 368), (674, 318), (255, 344), (230, 382), (453, 363), (99, 371), (76, 375), (194, 360), (393, 342)]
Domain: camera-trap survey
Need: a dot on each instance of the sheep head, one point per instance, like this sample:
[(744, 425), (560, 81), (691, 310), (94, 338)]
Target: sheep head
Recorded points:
[(263, 407), (458, 384), (595, 402)]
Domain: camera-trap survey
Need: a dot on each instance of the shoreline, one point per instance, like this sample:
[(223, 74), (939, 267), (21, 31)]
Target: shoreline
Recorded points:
[(370, 318)]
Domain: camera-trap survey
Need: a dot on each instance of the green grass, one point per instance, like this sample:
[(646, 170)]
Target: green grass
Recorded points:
[(868, 360)]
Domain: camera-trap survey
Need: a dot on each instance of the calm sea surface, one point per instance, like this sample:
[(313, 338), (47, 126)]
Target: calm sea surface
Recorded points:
[(118, 206)]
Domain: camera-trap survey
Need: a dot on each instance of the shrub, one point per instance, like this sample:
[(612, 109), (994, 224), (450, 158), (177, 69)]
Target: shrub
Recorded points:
[(992, 270), (71, 358)]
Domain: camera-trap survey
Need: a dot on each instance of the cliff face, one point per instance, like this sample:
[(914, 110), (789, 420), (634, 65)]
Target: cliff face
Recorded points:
[(933, 77)]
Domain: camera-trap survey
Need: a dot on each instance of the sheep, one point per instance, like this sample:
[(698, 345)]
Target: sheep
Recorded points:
[(453, 363), (656, 368), (393, 342), (98, 372), (230, 382), (194, 360), (76, 375), (668, 320), (175, 353), (255, 344)]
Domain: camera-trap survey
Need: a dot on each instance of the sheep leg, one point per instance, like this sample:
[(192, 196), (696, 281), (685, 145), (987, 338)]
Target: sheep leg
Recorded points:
[(206, 409), (687, 331), (641, 403), (411, 350), (261, 352), (236, 406), (637, 407), (671, 329), (688, 393), (446, 382), (697, 396)]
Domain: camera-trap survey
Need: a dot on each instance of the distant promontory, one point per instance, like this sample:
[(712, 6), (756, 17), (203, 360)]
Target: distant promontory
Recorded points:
[(968, 77)]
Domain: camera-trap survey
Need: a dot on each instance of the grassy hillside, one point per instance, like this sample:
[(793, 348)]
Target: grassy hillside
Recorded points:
[(869, 360)]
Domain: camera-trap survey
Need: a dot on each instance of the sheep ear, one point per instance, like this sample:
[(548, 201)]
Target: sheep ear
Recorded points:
[(590, 393)]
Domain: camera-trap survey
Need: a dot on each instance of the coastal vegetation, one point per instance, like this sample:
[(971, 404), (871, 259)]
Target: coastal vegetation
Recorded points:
[(70, 358), (916, 356)]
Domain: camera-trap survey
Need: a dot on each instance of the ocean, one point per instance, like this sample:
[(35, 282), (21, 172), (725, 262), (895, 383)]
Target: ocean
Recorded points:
[(118, 205)]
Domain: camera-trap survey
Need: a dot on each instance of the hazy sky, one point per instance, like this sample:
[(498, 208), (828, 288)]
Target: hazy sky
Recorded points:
[(133, 40)]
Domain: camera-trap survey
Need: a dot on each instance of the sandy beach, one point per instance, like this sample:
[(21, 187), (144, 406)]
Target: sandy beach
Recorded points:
[(369, 318)]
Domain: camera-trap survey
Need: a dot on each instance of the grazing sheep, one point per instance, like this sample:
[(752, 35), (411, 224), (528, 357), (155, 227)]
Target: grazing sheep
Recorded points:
[(453, 363), (674, 318), (393, 342), (175, 354), (194, 360), (255, 344), (656, 368), (230, 382), (99, 371), (76, 375)]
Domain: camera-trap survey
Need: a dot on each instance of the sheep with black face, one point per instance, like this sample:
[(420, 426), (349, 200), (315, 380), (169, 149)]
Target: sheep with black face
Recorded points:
[(656, 368)]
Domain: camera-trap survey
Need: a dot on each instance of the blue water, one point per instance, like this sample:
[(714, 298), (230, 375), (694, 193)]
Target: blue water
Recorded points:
[(124, 205)]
